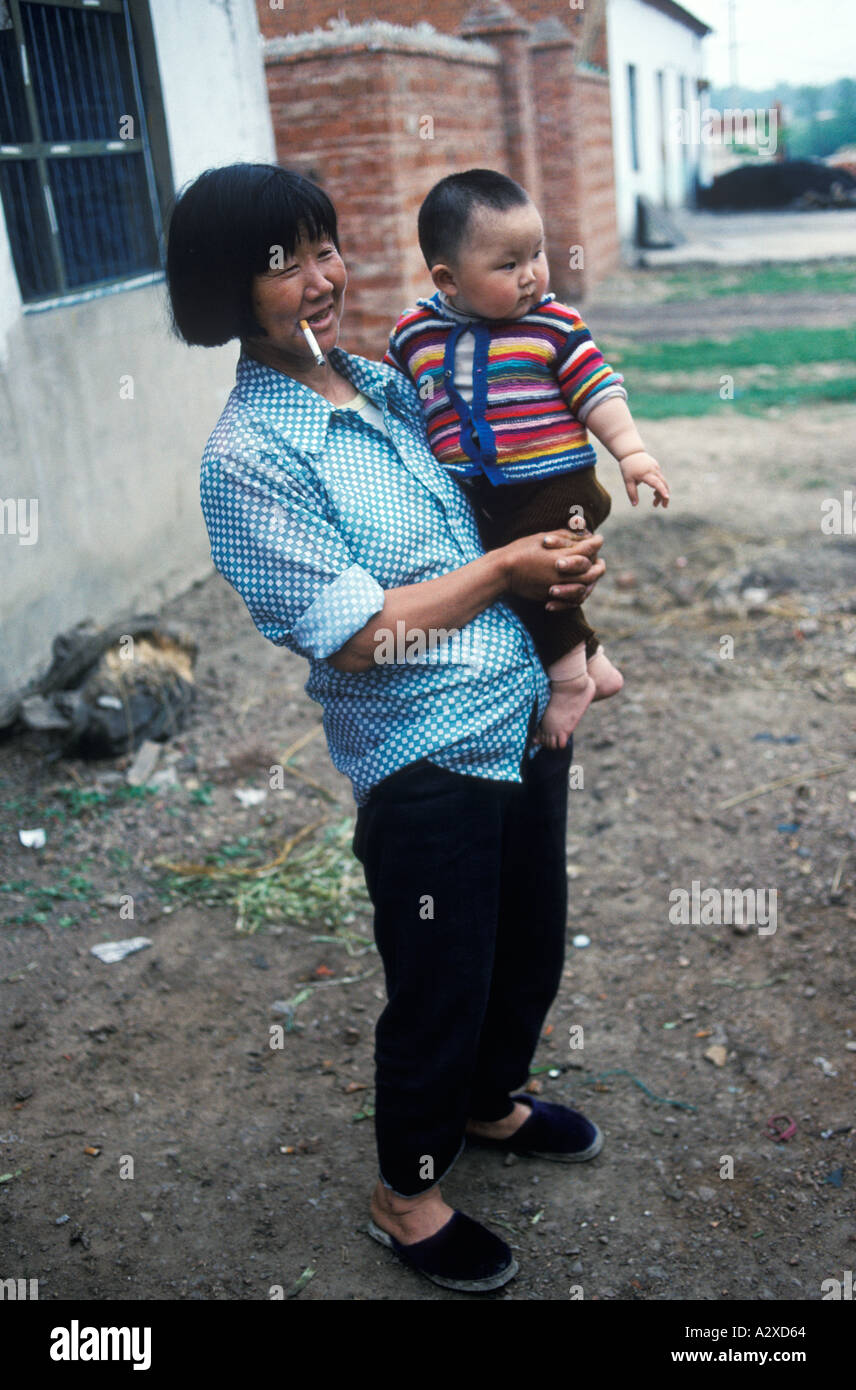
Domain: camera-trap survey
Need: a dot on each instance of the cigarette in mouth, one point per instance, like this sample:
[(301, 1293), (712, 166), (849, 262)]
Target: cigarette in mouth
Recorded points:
[(312, 341)]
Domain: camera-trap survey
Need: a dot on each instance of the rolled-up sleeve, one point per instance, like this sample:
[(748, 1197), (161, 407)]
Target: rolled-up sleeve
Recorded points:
[(272, 541), (341, 609)]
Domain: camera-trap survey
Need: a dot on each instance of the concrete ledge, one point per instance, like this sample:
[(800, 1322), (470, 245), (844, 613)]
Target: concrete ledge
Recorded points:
[(753, 238), (377, 36)]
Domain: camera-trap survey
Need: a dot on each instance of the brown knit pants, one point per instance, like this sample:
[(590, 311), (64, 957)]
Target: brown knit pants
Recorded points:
[(506, 513)]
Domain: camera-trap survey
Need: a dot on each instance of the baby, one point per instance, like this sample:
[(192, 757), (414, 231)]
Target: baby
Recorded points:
[(511, 381)]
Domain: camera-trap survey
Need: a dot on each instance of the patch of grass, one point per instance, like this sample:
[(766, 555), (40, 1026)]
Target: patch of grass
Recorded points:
[(789, 347), (75, 888), (73, 803), (664, 404), (322, 884), (77, 801), (243, 846), (795, 349), (831, 277), (81, 799), (26, 919)]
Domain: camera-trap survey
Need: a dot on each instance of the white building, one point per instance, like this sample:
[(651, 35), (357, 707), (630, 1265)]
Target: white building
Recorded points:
[(107, 107), (656, 66)]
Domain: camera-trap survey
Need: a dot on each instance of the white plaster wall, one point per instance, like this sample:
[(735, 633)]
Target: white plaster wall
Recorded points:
[(10, 299), (641, 35), (117, 480), (115, 476), (213, 83)]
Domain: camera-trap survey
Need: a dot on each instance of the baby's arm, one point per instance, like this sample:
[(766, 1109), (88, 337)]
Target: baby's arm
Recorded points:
[(583, 376), (612, 423)]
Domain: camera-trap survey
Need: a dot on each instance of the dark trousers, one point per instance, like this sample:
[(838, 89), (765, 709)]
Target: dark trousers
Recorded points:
[(505, 513), (469, 886)]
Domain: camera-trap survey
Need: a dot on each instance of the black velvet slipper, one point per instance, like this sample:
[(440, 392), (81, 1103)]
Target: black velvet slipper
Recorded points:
[(552, 1131), (461, 1255)]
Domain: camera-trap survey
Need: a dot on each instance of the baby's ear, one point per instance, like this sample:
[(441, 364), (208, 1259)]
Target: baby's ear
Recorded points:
[(444, 278)]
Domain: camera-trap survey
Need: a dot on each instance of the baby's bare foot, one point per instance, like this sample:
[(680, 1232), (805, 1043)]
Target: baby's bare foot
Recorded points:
[(569, 701), (607, 678)]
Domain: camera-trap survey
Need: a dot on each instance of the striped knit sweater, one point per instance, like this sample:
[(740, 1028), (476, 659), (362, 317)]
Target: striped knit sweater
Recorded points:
[(535, 379)]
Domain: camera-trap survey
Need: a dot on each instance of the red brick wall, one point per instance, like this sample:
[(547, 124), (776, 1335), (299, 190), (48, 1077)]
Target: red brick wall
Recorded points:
[(378, 127), (575, 146), (463, 102), (445, 15), (553, 74), (332, 122), (517, 98), (352, 120), (595, 186)]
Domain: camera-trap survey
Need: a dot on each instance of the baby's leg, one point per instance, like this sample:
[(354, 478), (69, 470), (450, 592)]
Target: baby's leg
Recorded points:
[(608, 680), (572, 690)]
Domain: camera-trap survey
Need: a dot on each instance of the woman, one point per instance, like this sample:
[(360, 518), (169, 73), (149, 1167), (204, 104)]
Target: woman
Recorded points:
[(351, 546)]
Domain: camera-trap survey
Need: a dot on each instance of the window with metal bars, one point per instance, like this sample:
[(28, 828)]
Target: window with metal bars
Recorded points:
[(77, 180)]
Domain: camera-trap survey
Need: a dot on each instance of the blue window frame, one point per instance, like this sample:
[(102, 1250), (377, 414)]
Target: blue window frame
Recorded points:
[(77, 180)]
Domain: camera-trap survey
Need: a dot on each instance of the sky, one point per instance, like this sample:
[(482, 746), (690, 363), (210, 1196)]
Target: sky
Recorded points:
[(780, 41)]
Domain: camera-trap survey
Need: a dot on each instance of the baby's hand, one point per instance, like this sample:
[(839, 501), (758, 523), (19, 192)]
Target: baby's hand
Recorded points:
[(642, 468)]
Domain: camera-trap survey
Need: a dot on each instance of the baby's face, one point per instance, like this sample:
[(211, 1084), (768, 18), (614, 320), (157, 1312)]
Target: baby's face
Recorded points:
[(501, 269)]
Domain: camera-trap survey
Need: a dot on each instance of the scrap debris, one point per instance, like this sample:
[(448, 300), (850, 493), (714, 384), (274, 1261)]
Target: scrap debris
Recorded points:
[(781, 1128), (107, 689), (111, 951)]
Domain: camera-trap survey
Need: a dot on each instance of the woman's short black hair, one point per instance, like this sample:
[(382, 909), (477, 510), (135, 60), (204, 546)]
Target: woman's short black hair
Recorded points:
[(444, 216), (224, 229)]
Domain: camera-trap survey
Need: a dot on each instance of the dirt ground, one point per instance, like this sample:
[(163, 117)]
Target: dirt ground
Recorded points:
[(249, 1166)]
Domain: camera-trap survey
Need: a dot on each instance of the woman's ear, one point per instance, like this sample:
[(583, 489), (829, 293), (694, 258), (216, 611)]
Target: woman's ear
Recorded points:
[(444, 278)]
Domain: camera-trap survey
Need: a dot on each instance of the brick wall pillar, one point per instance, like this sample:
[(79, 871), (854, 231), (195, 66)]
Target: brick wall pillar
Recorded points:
[(553, 58), (575, 149), (496, 23)]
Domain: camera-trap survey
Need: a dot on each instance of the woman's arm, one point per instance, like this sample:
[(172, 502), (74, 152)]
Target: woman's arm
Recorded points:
[(306, 589), (527, 567)]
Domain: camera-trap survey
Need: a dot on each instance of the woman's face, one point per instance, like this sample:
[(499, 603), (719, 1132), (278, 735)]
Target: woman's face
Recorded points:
[(310, 285)]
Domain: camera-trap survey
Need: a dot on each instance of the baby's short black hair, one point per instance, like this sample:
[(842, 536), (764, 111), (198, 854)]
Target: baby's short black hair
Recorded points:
[(221, 234), (444, 216)]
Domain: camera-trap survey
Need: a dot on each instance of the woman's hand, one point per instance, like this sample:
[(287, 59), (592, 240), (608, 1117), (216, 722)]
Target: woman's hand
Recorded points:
[(529, 567), (533, 570)]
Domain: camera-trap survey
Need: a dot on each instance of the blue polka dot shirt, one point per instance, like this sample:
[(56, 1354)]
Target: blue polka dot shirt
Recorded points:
[(312, 512)]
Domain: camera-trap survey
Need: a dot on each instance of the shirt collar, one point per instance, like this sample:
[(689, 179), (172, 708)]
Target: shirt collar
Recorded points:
[(381, 383), (447, 309), (443, 306)]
